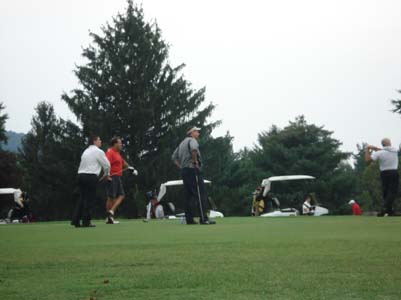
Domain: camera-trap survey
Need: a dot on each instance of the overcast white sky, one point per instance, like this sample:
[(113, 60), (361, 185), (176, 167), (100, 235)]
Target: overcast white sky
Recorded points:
[(262, 62)]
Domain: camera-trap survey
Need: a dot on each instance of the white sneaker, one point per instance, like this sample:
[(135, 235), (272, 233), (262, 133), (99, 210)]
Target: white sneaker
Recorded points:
[(110, 217)]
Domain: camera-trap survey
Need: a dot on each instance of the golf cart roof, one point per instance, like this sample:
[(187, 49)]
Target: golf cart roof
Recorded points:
[(266, 183), (288, 177), (163, 187), (8, 191), (11, 191)]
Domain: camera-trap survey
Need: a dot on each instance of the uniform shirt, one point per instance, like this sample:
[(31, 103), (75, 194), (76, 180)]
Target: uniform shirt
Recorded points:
[(116, 162), (183, 153), (93, 160), (388, 158), (356, 209)]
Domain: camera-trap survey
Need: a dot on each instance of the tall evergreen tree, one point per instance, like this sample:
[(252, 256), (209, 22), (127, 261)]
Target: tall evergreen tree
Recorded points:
[(50, 156), (128, 88)]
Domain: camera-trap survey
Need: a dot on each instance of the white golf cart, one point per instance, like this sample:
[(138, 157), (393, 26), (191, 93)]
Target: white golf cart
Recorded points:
[(287, 212), (163, 190), (17, 194)]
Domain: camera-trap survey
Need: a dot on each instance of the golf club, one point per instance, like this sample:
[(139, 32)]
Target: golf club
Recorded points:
[(130, 168), (199, 198)]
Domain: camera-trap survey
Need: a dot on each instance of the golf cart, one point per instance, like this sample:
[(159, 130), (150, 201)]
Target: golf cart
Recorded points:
[(20, 211), (163, 190), (287, 212)]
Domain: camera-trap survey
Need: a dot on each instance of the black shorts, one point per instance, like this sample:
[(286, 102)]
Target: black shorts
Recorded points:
[(115, 187)]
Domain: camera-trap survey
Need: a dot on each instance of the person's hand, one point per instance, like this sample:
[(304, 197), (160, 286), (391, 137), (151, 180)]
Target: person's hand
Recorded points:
[(108, 178), (133, 170)]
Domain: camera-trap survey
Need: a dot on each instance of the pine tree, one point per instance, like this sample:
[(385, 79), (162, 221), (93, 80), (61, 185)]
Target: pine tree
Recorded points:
[(50, 157), (129, 89)]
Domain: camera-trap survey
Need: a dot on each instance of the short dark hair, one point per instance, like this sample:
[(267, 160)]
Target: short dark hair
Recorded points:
[(93, 138), (114, 140)]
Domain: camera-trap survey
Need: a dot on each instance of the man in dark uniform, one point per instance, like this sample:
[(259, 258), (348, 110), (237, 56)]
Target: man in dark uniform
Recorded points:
[(187, 157)]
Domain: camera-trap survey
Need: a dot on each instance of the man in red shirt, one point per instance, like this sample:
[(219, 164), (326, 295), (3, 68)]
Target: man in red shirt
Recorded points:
[(356, 209), (115, 190)]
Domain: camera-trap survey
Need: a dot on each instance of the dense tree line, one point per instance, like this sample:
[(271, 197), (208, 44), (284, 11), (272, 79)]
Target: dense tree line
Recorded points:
[(10, 170), (128, 88)]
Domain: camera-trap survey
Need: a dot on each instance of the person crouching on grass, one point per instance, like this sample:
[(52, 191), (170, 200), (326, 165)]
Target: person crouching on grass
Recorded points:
[(356, 209), (115, 190)]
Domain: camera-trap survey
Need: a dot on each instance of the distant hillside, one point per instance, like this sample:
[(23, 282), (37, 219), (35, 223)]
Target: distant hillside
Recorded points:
[(14, 141)]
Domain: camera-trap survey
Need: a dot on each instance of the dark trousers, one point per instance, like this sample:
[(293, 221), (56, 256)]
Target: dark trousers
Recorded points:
[(87, 187), (194, 189), (390, 182)]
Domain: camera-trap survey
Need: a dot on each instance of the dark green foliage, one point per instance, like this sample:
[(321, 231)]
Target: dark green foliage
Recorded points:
[(305, 149), (371, 196), (50, 157), (397, 104), (219, 157), (3, 119), (359, 159), (10, 172), (10, 177)]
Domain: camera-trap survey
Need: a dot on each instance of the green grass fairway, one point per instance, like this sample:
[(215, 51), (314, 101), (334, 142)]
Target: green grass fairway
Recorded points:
[(239, 258)]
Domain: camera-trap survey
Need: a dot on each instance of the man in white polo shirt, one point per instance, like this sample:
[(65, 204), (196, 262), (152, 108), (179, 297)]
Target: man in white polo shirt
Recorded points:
[(93, 160), (388, 163)]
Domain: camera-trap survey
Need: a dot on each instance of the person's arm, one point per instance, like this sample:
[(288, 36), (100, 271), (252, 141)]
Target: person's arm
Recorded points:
[(125, 164), (175, 158), (368, 152), (104, 162), (194, 158), (194, 146)]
